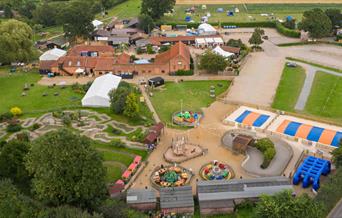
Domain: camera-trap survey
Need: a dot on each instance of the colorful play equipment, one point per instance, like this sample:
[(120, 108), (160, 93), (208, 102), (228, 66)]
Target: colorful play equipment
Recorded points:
[(171, 176), (216, 171), (186, 118), (310, 171), (310, 133)]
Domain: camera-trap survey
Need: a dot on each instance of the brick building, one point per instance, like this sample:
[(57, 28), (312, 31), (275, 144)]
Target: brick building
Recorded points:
[(101, 59)]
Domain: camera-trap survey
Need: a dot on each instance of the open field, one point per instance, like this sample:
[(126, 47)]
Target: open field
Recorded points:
[(248, 12), (193, 94), (253, 1), (127, 9), (325, 99), (289, 88)]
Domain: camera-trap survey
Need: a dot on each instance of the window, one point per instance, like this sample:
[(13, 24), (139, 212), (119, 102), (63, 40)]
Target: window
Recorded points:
[(100, 73), (69, 63), (163, 71), (78, 63)]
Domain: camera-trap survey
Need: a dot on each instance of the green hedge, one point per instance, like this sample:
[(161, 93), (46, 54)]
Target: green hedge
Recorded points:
[(184, 73), (287, 32), (266, 146)]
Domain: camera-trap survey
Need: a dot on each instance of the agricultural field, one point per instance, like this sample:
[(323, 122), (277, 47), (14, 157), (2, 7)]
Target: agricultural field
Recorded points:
[(325, 99), (117, 159), (247, 12), (289, 88), (191, 95)]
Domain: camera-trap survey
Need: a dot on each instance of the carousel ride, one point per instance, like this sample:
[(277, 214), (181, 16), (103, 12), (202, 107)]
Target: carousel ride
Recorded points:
[(216, 170), (182, 150), (186, 118), (170, 176)]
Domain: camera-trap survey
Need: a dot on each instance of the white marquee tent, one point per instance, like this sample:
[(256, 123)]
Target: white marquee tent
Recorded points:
[(97, 95), (218, 50), (52, 55), (206, 29)]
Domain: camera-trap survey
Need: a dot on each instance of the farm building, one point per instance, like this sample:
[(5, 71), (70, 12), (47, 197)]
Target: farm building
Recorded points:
[(97, 95), (177, 200), (142, 199), (221, 196)]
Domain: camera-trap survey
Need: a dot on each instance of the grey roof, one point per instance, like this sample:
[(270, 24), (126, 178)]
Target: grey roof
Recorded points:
[(125, 31), (136, 196), (132, 22), (176, 197), (217, 204), (142, 42), (241, 188), (60, 40), (118, 40)]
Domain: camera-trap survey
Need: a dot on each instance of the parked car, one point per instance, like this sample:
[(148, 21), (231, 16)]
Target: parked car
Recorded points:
[(291, 64)]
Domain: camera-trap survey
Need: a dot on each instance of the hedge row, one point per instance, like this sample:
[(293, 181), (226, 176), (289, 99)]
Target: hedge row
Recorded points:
[(287, 32), (184, 73)]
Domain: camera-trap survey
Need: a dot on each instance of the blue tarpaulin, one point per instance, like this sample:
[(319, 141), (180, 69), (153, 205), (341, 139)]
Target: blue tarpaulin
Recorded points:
[(261, 120), (337, 139), (243, 116), (315, 134), (292, 128)]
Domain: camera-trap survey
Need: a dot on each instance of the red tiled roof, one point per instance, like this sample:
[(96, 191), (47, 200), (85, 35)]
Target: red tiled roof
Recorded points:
[(123, 59), (151, 137), (230, 49), (76, 50), (105, 64), (45, 65), (178, 49)]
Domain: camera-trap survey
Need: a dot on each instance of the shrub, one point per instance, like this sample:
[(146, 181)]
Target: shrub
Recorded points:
[(5, 117), (35, 126), (13, 127), (16, 111), (66, 119), (266, 146), (287, 32), (116, 131), (137, 136), (23, 136), (184, 73)]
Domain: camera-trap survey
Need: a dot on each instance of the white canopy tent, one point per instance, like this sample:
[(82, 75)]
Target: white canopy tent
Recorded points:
[(218, 50), (200, 42), (97, 24), (52, 55), (97, 95), (206, 29)]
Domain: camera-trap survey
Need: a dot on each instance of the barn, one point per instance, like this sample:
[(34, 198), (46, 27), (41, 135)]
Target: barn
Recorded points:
[(178, 200), (142, 199)]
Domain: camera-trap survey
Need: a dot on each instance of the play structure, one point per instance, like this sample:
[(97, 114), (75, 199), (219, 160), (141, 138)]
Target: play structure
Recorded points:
[(216, 171), (170, 176), (186, 118), (182, 150), (310, 171)]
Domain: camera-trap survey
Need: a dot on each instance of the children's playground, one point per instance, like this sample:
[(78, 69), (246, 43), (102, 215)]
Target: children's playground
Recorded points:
[(187, 118)]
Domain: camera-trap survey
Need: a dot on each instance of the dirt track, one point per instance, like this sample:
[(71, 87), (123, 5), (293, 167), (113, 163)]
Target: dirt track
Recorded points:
[(214, 2)]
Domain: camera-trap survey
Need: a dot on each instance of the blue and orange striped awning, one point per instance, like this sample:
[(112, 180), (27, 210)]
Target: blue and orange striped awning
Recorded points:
[(252, 118)]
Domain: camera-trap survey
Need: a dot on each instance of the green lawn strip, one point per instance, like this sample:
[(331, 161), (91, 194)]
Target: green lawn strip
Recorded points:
[(194, 95), (325, 99), (114, 172), (289, 88), (127, 9), (108, 146), (11, 87), (315, 64)]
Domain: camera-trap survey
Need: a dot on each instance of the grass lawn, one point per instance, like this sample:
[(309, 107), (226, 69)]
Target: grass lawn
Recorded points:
[(11, 88), (252, 12), (127, 9), (325, 99), (289, 88), (113, 172), (194, 94)]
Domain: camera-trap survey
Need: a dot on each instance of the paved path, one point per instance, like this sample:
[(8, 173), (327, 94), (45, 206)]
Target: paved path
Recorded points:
[(310, 76), (336, 212), (150, 105)]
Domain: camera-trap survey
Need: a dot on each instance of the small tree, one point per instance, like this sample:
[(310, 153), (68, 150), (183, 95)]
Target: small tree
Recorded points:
[(337, 156), (156, 8), (255, 39), (132, 106), (118, 99), (146, 23), (316, 22), (16, 111), (212, 62)]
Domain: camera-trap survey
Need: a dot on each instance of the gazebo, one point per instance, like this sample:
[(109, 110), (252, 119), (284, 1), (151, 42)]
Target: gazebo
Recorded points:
[(241, 142)]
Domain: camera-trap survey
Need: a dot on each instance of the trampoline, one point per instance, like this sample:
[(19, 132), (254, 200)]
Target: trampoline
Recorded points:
[(252, 118), (311, 133)]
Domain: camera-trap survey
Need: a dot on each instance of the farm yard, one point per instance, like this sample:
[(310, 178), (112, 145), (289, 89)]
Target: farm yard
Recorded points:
[(191, 95)]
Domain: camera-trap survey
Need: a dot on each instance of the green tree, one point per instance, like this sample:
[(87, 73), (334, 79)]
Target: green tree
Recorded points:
[(118, 99), (255, 39), (8, 11), (260, 31), (15, 42), (76, 19), (117, 209), (132, 106), (146, 23), (66, 211), (156, 8), (335, 16), (212, 62), (12, 163), (283, 204), (13, 204), (66, 170), (337, 156), (316, 22), (290, 24), (45, 14)]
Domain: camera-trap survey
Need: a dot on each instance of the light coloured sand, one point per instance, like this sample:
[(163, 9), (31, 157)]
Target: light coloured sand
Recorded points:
[(208, 135)]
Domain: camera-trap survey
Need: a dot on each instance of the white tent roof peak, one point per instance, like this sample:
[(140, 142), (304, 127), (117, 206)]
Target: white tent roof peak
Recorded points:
[(218, 50), (52, 55), (97, 23), (205, 27), (97, 95)]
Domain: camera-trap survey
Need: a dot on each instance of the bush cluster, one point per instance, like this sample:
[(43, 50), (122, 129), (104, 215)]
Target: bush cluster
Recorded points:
[(13, 127), (5, 117), (184, 73), (287, 32), (266, 146)]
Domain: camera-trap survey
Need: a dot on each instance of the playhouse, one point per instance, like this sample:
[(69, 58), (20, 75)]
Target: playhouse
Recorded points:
[(310, 171)]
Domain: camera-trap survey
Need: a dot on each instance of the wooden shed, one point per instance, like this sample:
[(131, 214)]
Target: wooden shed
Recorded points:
[(241, 142), (142, 199), (221, 196), (178, 200)]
